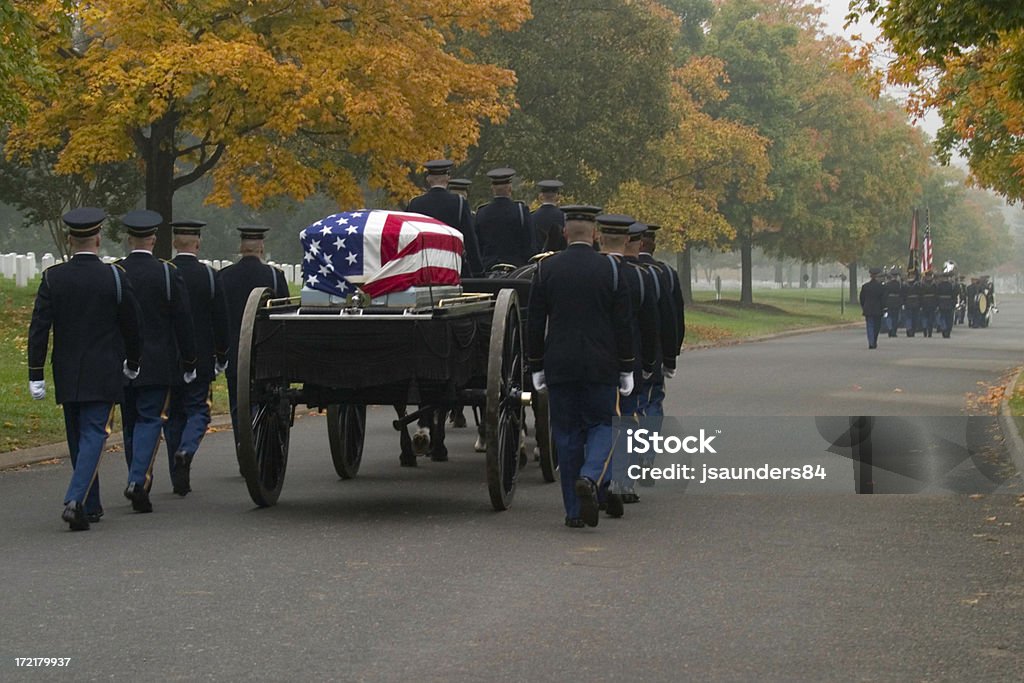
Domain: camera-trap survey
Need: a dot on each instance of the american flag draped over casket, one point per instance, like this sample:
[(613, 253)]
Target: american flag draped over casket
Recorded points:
[(380, 252)]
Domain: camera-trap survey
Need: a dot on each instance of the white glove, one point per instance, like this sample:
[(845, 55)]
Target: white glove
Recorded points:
[(219, 367), (130, 374), (625, 383), (37, 387), (668, 373), (539, 382), (189, 377)]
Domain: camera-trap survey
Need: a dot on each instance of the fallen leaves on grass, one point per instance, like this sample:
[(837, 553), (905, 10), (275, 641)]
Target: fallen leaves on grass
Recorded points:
[(709, 333)]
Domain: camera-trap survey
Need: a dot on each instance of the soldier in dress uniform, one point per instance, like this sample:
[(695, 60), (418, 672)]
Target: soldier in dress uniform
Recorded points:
[(928, 302), (671, 319), (548, 221), (503, 225), (893, 301), (960, 289), (644, 291), (188, 414), (912, 302), (451, 209), (581, 348), (96, 337), (872, 301), (168, 352), (944, 295), (236, 282), (972, 291)]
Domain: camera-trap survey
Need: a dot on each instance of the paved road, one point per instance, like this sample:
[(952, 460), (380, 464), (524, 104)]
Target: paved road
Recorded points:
[(407, 574)]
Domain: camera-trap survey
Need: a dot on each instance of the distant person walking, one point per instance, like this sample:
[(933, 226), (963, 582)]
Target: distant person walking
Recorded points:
[(872, 295)]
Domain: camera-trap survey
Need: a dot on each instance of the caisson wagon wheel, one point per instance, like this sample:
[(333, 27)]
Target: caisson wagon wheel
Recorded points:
[(545, 441), (264, 410), (346, 430), (504, 412)]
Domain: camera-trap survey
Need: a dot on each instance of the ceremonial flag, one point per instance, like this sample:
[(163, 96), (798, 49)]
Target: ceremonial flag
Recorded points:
[(912, 261), (926, 246), (379, 252)]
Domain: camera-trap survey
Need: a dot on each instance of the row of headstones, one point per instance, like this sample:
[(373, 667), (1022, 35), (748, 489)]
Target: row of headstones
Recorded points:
[(23, 267)]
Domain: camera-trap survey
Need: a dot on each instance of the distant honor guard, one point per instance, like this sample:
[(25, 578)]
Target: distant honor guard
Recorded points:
[(503, 225), (449, 208), (548, 221), (581, 347), (188, 414), (168, 352), (236, 283), (92, 309)]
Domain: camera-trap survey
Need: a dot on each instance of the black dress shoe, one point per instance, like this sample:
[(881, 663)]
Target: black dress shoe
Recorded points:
[(139, 497), (586, 491), (74, 515), (615, 508), (630, 498), (181, 476), (439, 454), (574, 523), (407, 460), (94, 515)]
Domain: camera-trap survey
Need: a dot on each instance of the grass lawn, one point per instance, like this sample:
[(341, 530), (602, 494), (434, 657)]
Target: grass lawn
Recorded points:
[(774, 310)]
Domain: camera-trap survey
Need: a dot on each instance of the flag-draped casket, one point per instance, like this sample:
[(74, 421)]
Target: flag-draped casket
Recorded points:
[(379, 252)]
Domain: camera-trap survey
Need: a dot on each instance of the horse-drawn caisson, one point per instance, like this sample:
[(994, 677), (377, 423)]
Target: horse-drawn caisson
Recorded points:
[(383, 319)]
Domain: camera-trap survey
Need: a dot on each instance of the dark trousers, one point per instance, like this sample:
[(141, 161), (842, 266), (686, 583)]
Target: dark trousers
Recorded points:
[(928, 321), (913, 319), (581, 424), (891, 322), (874, 325), (87, 426), (188, 416), (142, 415), (945, 321)]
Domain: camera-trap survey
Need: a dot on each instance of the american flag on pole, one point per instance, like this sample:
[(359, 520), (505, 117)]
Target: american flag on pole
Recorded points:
[(912, 261), (926, 246), (379, 252)]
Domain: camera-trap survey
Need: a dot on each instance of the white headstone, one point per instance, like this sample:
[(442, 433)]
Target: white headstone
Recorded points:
[(289, 272), (298, 274), (32, 269), (7, 265), (47, 261), (21, 271)]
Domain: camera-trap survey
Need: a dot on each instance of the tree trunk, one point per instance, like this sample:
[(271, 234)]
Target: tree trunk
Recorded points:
[(853, 284), (814, 276), (747, 266), (158, 153), (778, 273), (803, 276), (685, 267)]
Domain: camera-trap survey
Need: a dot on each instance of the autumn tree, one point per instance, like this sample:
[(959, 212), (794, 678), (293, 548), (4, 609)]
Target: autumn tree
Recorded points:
[(21, 68), (273, 97)]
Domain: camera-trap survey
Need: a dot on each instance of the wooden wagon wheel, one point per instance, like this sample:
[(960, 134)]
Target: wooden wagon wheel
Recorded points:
[(545, 441), (346, 431), (504, 412), (264, 413)]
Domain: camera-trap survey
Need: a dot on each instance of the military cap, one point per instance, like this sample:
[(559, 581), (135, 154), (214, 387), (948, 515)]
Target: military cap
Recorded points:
[(636, 231), (84, 221), (186, 226), (459, 183), (438, 166), (142, 222), (614, 223), (501, 176), (253, 232), (550, 185), (580, 212), (875, 271)]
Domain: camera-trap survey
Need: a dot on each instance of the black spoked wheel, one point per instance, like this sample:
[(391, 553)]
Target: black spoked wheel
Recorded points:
[(346, 430), (545, 441), (504, 412), (262, 448)]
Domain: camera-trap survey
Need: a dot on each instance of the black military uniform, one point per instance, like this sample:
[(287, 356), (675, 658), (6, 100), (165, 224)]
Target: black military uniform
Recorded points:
[(168, 355), (972, 291), (911, 291), (893, 302), (872, 295), (188, 414), (672, 321), (236, 282), (503, 226), (928, 303), (451, 209), (960, 290), (548, 221), (579, 317), (944, 294), (92, 309)]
